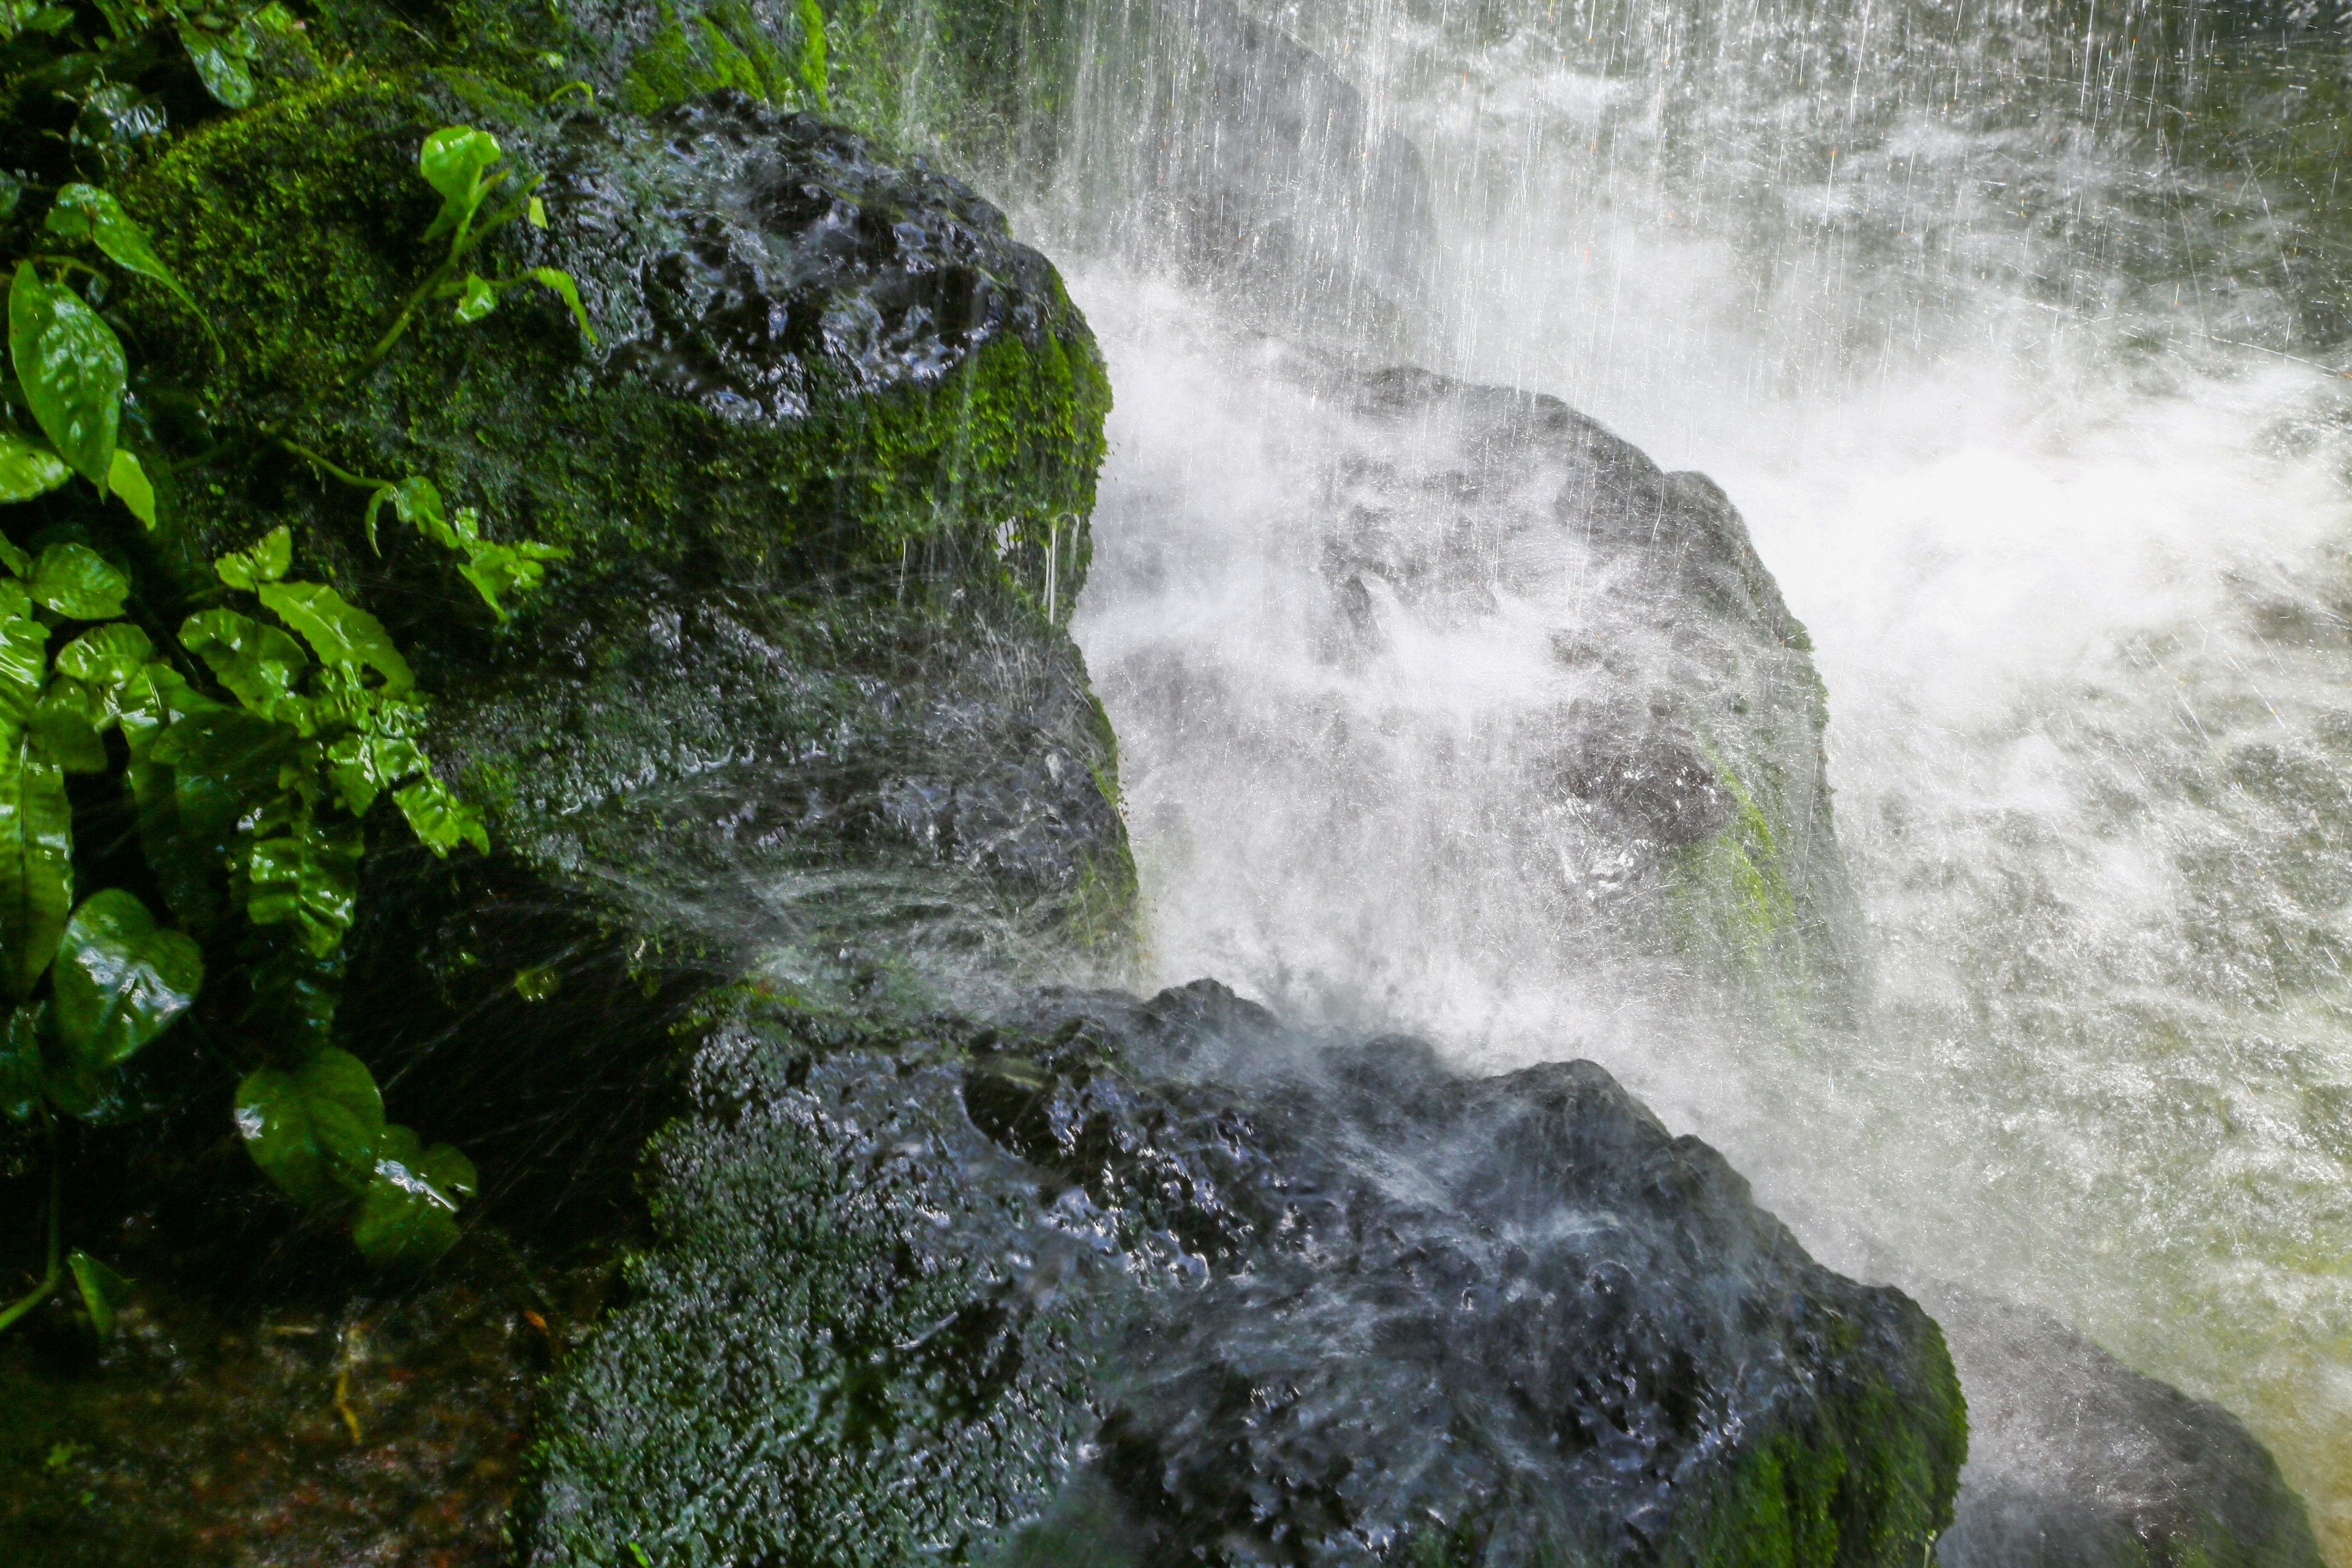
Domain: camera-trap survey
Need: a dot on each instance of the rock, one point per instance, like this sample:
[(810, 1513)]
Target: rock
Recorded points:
[(2077, 1461), (1165, 1282), (823, 478)]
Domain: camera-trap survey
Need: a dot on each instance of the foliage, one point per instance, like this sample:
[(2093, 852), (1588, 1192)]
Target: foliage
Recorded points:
[(251, 740)]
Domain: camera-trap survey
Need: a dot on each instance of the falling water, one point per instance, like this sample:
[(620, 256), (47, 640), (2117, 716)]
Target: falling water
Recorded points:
[(2012, 330)]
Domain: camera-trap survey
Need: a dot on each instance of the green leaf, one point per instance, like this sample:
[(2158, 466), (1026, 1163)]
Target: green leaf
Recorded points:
[(36, 862), (476, 298), (418, 503), (438, 818), (20, 1062), (360, 766), (18, 562), (66, 721), (408, 1216), (78, 582), (496, 570), (102, 1290), (129, 482), (224, 764), (337, 632), (310, 877), (85, 212), (219, 60), (121, 979), (313, 1131), (24, 642), (259, 664), (454, 161), (264, 562), (27, 471), (71, 367), (536, 214), (106, 656), (559, 281)]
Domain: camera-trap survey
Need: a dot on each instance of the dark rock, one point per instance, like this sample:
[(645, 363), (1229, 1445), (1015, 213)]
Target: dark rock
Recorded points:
[(1164, 1282), (2077, 1461)]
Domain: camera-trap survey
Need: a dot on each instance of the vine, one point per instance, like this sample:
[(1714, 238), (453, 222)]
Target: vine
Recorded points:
[(251, 741)]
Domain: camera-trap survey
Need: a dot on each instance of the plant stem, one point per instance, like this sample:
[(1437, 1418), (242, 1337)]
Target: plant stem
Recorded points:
[(461, 247), (56, 1231), (357, 481)]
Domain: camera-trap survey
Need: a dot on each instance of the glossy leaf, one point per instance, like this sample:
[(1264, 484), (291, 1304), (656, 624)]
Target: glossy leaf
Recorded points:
[(416, 502), (103, 1291), (24, 642), (476, 299), (18, 562), (408, 1216), (219, 60), (106, 656), (129, 482), (71, 367), (439, 819), (224, 764), (121, 979), (259, 664), (85, 212), (27, 469), (264, 562), (499, 570), (337, 632), (559, 281), (36, 862), (310, 878), (361, 766), (78, 582), (455, 162), (66, 721), (313, 1131)]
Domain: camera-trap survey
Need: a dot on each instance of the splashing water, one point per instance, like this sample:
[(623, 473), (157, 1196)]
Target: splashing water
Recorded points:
[(2012, 332)]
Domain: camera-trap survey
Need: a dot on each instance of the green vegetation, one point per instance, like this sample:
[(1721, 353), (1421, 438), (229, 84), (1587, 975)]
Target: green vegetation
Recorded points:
[(247, 745)]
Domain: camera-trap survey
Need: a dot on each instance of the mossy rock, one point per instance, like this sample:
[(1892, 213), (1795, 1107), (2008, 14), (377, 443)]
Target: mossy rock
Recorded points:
[(823, 474), (1139, 1283)]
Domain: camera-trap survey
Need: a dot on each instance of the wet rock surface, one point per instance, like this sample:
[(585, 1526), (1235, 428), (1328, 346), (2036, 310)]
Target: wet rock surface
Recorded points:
[(1165, 1282), (2077, 1461)]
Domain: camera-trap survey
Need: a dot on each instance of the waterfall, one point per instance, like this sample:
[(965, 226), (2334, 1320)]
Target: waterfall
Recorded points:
[(2010, 329)]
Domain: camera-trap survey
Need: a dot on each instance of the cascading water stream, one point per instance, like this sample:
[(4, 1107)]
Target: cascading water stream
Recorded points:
[(2012, 330)]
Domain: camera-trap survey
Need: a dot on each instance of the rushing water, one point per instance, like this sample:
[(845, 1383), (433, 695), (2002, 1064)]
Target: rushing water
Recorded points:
[(2013, 331)]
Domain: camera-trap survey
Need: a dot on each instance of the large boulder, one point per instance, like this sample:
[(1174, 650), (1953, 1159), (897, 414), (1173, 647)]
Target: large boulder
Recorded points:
[(1161, 1282)]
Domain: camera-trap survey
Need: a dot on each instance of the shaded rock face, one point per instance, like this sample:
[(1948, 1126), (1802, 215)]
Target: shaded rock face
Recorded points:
[(2076, 1461), (1166, 1282)]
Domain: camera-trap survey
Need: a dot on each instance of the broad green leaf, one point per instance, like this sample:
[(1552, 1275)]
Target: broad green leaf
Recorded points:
[(536, 214), (24, 642), (188, 870), (103, 1291), (71, 367), (27, 469), (224, 764), (454, 162), (419, 504), (361, 766), (292, 992), (18, 562), (264, 562), (106, 656), (259, 664), (408, 1216), (337, 632), (310, 878), (85, 212), (20, 1061), (496, 571), (36, 862), (121, 979), (219, 60), (66, 721), (129, 482), (476, 298), (78, 582), (559, 281), (313, 1131), (438, 818)]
